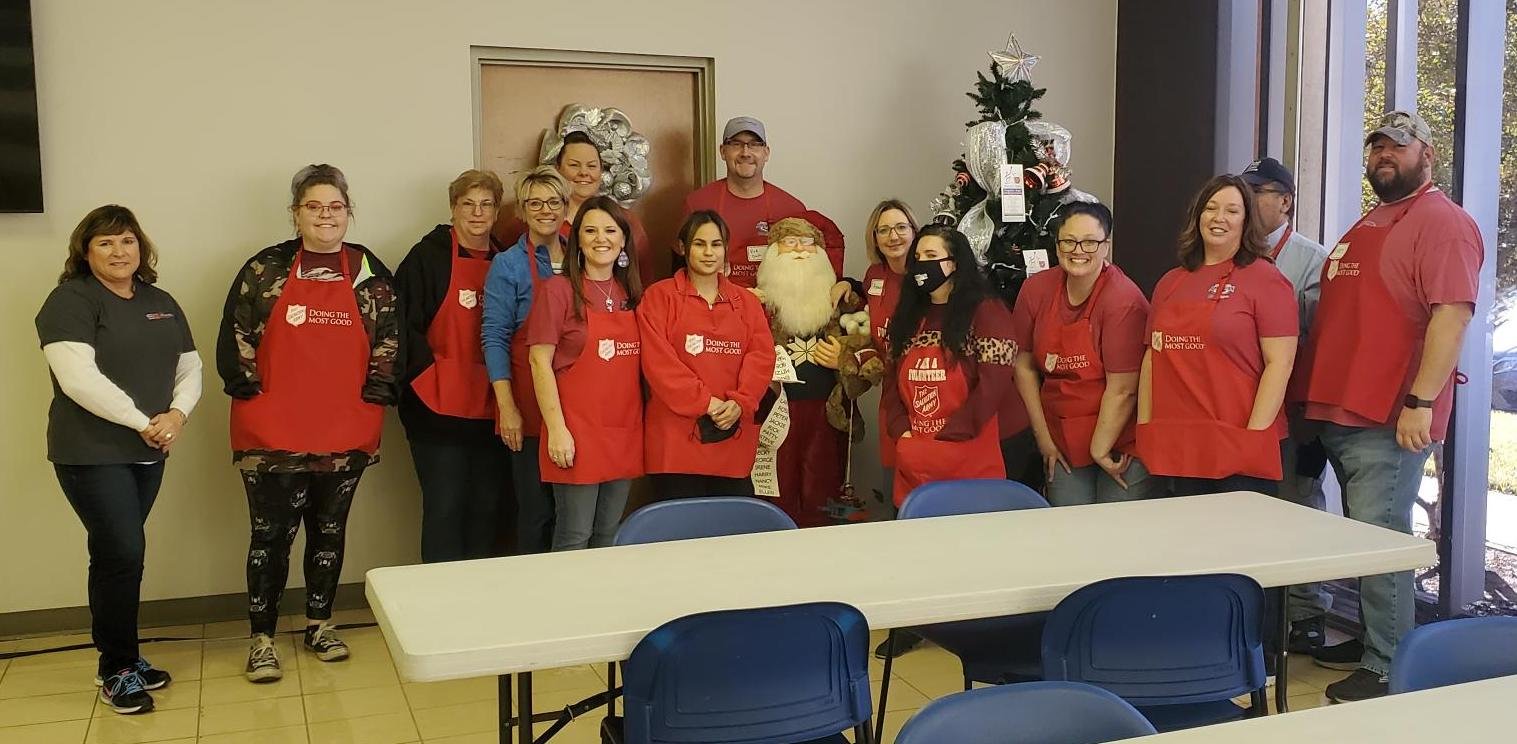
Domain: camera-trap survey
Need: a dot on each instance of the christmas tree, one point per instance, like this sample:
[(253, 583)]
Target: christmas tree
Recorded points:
[(1009, 132)]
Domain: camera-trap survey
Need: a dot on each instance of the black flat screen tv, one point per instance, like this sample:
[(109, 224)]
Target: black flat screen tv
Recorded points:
[(20, 149)]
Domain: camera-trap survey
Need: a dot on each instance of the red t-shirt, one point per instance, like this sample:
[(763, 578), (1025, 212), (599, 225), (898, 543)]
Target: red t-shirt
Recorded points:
[(1431, 257), (552, 320), (1258, 302), (748, 222), (1118, 320)]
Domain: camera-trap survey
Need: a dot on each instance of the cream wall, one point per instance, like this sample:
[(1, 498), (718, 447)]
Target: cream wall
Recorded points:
[(195, 114)]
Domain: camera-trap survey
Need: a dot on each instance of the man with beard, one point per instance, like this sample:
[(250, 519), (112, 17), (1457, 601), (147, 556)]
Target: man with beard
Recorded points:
[(747, 203), (796, 283), (1378, 368)]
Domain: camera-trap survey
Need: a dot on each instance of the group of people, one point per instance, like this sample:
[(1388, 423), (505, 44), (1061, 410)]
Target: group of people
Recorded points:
[(526, 355)]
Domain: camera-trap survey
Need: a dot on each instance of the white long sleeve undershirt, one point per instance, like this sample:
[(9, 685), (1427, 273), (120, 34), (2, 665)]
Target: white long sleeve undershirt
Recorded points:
[(73, 364)]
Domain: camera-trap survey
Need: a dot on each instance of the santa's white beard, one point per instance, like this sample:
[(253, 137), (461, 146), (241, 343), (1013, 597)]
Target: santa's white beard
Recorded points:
[(797, 290)]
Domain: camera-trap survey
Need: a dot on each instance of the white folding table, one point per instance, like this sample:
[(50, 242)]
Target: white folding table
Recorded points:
[(1471, 712), (511, 616)]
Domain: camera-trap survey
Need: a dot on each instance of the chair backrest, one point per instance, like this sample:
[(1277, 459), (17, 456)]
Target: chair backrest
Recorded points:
[(790, 673), (969, 496), (1160, 640), (1455, 651), (711, 516), (1027, 713)]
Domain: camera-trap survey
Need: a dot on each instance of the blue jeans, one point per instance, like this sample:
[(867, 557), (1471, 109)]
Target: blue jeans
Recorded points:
[(1307, 601), (1380, 481), (587, 516), (1091, 485), (113, 502)]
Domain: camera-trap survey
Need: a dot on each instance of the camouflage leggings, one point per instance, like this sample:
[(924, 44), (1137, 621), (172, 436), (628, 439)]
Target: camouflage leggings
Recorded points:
[(277, 503)]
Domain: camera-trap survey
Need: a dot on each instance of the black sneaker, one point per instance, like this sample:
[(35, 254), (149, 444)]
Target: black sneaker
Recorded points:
[(1307, 635), (263, 661), (125, 693), (1363, 684), (905, 640), (322, 640), (1345, 656), (152, 679)]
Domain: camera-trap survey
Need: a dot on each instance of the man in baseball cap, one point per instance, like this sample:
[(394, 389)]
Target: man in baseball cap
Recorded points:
[(746, 202), (1377, 370)]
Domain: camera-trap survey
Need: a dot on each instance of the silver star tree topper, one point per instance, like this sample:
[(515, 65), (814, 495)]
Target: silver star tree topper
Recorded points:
[(1014, 62)]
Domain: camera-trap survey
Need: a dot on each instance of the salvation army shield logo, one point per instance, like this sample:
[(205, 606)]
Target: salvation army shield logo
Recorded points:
[(1050, 362), (468, 298), (295, 314), (1157, 341), (1332, 269), (695, 343), (926, 401), (606, 349)]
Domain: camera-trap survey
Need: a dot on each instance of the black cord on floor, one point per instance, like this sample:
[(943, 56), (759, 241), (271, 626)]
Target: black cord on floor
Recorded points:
[(161, 639)]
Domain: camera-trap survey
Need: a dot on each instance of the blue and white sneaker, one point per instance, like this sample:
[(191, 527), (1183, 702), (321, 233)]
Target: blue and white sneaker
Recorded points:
[(152, 679), (125, 693)]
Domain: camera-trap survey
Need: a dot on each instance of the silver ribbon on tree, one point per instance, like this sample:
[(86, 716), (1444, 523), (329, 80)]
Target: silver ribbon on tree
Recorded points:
[(984, 153), (625, 175)]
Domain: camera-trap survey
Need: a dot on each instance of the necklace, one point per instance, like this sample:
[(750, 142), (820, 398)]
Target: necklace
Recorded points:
[(610, 301)]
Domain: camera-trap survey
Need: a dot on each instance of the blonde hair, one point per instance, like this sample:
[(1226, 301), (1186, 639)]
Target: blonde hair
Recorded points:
[(795, 227), (542, 175), (475, 179), (871, 244)]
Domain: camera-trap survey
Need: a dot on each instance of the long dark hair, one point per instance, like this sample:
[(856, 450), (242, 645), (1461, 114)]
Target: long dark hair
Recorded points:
[(111, 219), (1250, 247), (969, 289), (574, 259)]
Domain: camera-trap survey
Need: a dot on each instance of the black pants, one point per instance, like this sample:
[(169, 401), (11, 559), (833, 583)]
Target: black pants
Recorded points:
[(277, 503), (462, 487), (534, 500), (668, 486), (1019, 452), (113, 502)]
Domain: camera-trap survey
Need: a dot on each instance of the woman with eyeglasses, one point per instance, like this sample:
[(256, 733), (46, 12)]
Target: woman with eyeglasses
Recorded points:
[(952, 352), (511, 287), (586, 354), (308, 350), (708, 357), (891, 230), (1080, 328), (578, 161), (446, 404), (1222, 341)]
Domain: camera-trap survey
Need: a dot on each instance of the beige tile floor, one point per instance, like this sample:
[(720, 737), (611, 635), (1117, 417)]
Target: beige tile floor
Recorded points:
[(51, 699)]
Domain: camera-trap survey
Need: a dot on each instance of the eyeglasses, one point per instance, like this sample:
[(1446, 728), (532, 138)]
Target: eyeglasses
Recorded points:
[(537, 205), (1085, 246), (474, 206), (316, 207), (1261, 191), (744, 145), (902, 229), (792, 241)]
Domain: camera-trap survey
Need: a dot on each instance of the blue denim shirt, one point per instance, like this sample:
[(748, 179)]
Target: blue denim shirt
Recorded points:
[(508, 298), (1300, 260)]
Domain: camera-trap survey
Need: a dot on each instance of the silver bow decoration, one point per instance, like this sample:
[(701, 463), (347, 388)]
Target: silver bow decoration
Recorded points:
[(978, 227), (623, 152), (984, 153)]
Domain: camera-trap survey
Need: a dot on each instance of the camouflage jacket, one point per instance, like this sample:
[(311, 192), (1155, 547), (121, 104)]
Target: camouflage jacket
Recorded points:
[(251, 300)]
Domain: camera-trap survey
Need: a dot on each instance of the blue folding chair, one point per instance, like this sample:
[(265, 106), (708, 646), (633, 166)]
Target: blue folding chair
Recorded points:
[(992, 650), (773, 674), (711, 516), (1031, 713), (1454, 652), (1179, 648)]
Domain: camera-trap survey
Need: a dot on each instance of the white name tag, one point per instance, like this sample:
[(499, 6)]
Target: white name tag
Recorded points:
[(1035, 260), (1013, 193), (876, 287), (756, 252)]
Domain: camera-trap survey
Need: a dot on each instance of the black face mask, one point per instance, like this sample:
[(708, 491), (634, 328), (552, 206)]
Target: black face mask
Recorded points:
[(930, 275)]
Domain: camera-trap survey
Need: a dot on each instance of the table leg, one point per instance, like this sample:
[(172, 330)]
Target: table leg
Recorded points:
[(503, 697), (524, 692), (1282, 668)]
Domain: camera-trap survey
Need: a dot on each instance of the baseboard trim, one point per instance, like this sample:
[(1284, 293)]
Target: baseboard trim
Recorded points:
[(164, 612)]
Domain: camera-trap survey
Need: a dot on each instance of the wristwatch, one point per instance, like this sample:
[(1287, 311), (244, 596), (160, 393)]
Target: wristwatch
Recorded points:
[(1413, 401)]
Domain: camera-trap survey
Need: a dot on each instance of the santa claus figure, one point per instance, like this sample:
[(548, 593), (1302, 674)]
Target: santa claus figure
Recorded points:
[(799, 287)]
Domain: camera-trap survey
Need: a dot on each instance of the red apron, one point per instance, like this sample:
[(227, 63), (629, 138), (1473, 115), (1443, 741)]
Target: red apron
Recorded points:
[(1201, 402), (1073, 378), (1373, 342), (743, 260), (712, 344), (882, 289), (601, 395), (312, 362), (522, 390), (457, 383), (1280, 245), (933, 388)]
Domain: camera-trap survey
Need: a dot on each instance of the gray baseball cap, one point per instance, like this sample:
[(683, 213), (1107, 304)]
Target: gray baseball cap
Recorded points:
[(1402, 127), (739, 124)]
